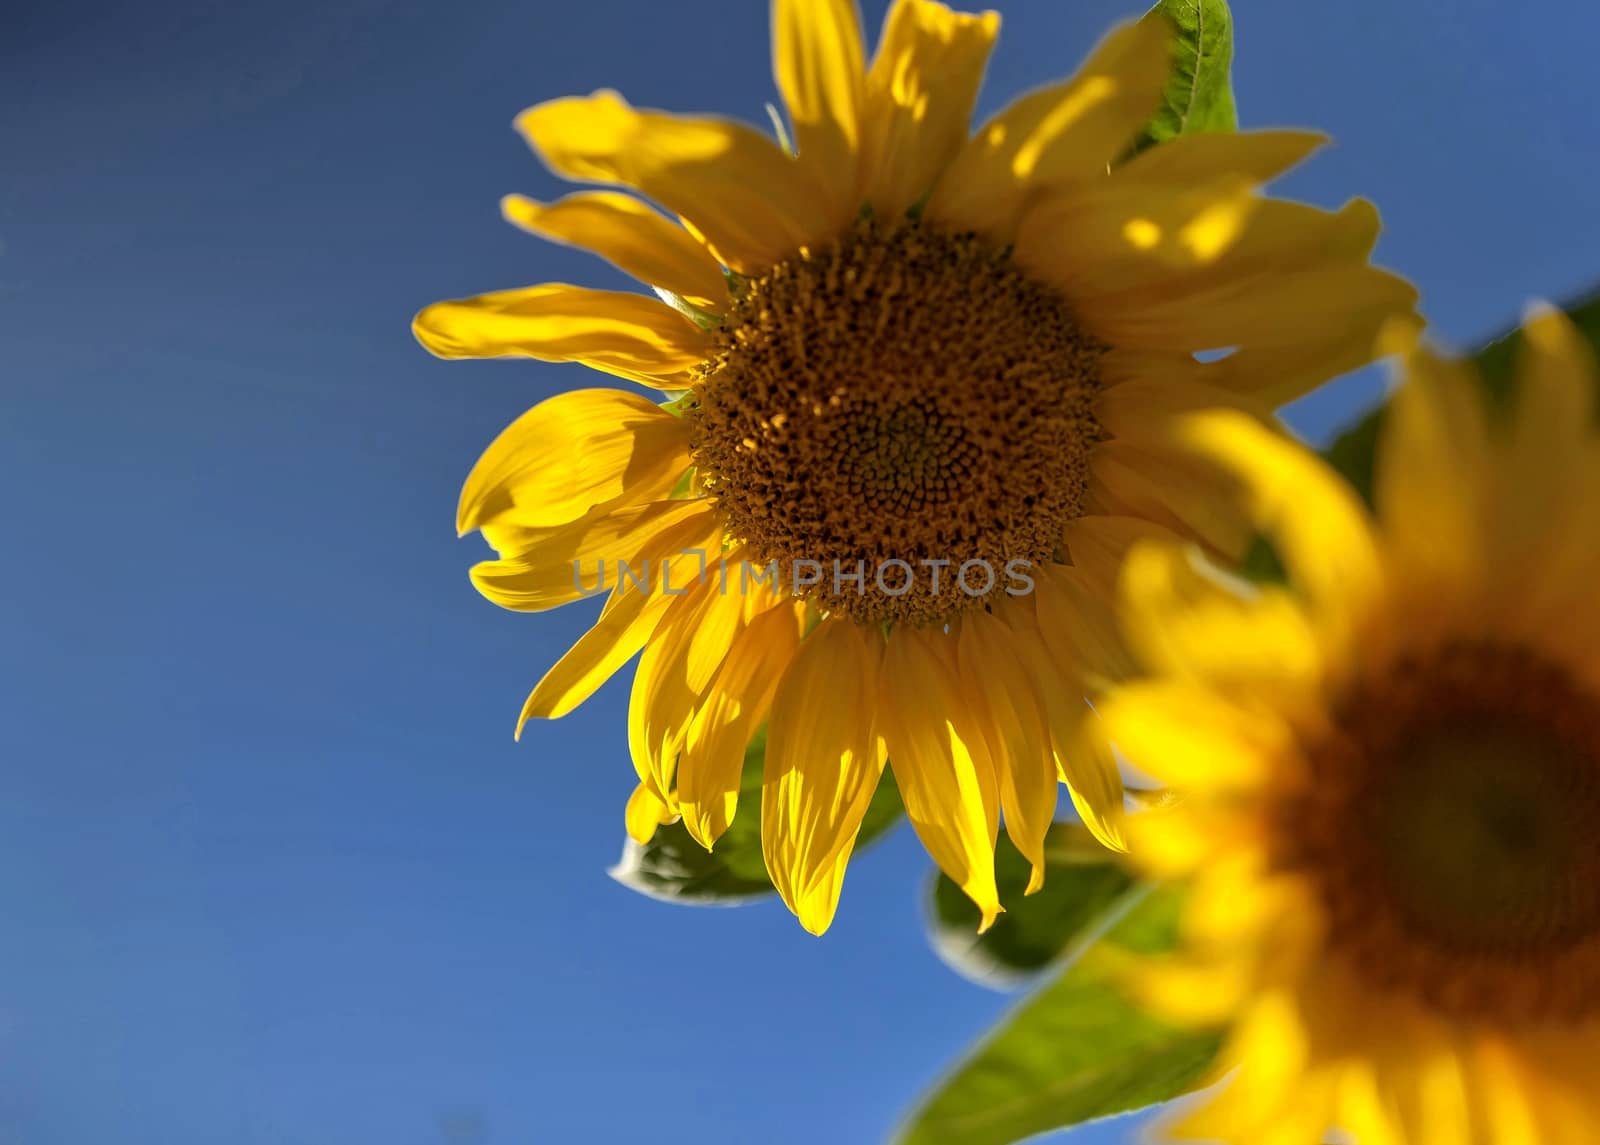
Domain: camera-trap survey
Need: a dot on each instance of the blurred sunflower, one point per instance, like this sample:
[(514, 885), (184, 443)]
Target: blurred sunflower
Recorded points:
[(1390, 776), (892, 347)]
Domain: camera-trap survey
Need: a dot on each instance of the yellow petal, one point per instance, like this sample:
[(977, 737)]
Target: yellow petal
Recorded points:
[(1183, 836), (628, 335), (1099, 545), (1558, 1070), (1556, 378), (1544, 592), (1552, 429), (1319, 526), (739, 700), (1192, 992), (754, 204), (1365, 1109), (571, 453), (1186, 621), (691, 641), (822, 764), (1145, 406), (1272, 308), (680, 666), (1281, 234), (1259, 156), (628, 234), (1509, 1112), (1079, 649), (1068, 131), (919, 97), (569, 563), (946, 781), (630, 617), (1114, 236), (1077, 605), (1005, 702), (1127, 368), (1545, 541), (1190, 739), (816, 907), (1436, 1104), (1273, 1097), (1122, 245), (1280, 372), (818, 58), (615, 639), (1155, 480), (1239, 903), (645, 813), (1301, 1121), (1431, 485), (1089, 768), (1078, 620)]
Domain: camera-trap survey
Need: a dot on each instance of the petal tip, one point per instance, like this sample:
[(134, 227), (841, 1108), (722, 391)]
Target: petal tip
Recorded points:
[(467, 517), (991, 912), (424, 330), (699, 826), (1399, 337), (1544, 324)]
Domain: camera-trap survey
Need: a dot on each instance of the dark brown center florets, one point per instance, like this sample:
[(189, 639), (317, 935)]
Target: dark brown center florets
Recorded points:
[(1451, 819), (900, 399)]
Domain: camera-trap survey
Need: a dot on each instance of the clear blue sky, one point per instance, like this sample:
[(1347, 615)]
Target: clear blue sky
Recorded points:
[(272, 871)]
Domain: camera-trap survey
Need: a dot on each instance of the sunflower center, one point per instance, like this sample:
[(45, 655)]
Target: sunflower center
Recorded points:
[(900, 421), (1452, 821)]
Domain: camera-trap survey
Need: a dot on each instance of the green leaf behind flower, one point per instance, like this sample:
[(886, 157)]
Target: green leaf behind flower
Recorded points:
[(1199, 92), (1082, 881), (1076, 1049), (675, 868)]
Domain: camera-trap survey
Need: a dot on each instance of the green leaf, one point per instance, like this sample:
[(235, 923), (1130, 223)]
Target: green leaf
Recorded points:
[(1074, 1050), (1082, 881), (1354, 452), (1199, 92), (675, 868)]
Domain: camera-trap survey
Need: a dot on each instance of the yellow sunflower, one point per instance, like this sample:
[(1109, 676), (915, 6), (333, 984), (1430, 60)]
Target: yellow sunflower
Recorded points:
[(922, 379), (1390, 774)]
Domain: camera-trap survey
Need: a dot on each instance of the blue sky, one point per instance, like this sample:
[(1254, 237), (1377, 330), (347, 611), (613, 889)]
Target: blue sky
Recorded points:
[(271, 867)]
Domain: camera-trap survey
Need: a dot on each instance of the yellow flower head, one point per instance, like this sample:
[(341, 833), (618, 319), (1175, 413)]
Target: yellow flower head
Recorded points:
[(920, 378), (1389, 775)]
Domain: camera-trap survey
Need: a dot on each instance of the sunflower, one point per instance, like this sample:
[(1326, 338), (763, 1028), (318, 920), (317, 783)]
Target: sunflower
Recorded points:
[(1390, 774), (918, 381)]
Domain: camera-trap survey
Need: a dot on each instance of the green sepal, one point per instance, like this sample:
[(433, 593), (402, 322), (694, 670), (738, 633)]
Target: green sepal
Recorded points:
[(704, 319)]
